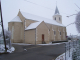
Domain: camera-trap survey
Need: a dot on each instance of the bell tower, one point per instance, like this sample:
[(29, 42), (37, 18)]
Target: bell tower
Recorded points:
[(57, 17)]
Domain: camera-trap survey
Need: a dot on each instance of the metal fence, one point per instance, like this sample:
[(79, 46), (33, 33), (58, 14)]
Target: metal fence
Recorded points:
[(72, 50)]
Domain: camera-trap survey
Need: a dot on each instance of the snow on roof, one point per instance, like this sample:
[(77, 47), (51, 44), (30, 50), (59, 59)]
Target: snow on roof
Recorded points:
[(33, 25), (38, 18), (16, 19)]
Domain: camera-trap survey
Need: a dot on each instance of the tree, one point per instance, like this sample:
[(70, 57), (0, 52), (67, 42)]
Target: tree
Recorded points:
[(78, 22), (6, 33)]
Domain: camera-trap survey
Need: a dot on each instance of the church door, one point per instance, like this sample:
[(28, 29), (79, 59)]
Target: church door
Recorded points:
[(42, 37)]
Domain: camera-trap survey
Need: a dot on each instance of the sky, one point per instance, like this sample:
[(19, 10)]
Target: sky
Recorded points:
[(43, 8)]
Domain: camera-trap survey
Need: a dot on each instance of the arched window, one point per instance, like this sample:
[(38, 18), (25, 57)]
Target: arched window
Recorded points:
[(59, 19), (55, 18)]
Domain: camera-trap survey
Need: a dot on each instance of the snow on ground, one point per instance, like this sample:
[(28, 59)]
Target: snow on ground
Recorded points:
[(39, 44), (62, 56), (52, 43), (25, 49), (11, 50), (2, 48), (21, 44)]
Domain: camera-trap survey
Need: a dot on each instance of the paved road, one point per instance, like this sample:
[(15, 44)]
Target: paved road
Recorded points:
[(33, 52)]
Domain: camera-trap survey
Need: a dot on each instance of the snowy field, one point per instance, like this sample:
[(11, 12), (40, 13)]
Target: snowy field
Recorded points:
[(2, 48)]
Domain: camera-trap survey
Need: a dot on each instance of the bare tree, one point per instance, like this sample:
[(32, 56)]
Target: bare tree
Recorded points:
[(77, 22), (6, 33)]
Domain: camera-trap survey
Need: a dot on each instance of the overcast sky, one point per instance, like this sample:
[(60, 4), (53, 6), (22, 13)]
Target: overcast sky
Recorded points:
[(44, 8)]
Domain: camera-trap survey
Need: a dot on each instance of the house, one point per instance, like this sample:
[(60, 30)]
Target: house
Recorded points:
[(32, 29)]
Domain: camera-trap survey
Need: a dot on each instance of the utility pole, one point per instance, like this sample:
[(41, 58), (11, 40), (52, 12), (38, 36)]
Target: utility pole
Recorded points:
[(3, 31)]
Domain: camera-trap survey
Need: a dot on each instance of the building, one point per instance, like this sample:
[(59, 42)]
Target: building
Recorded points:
[(32, 29)]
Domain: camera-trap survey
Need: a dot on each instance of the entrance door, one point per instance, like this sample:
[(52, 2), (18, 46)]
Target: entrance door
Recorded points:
[(42, 37)]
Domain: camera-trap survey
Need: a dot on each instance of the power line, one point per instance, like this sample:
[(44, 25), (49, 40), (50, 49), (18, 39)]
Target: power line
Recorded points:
[(70, 24), (71, 15), (43, 6), (76, 5), (38, 4)]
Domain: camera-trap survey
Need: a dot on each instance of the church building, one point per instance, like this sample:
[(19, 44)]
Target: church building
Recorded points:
[(31, 29)]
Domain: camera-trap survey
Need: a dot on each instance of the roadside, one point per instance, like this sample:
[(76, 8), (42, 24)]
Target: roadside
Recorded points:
[(35, 52), (9, 49)]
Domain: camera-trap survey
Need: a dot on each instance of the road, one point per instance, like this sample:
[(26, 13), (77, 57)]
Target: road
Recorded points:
[(34, 52)]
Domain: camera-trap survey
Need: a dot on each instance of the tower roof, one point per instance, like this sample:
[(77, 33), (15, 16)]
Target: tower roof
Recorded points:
[(56, 10)]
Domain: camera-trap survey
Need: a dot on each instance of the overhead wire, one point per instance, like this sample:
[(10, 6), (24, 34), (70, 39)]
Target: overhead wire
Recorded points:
[(37, 4), (44, 6), (77, 5)]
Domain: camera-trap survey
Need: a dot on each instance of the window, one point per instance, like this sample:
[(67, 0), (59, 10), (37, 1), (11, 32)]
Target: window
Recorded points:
[(60, 33), (55, 18), (54, 32), (59, 19)]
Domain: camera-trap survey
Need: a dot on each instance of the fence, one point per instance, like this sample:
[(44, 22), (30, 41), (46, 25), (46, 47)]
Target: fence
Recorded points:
[(72, 51)]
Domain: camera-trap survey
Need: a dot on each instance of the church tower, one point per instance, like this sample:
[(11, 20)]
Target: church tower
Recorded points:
[(57, 17)]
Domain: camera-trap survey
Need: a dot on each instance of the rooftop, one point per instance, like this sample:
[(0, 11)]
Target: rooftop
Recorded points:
[(16, 19), (33, 26), (38, 18)]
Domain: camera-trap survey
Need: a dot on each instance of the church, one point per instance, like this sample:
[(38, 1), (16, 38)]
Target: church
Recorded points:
[(31, 29)]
